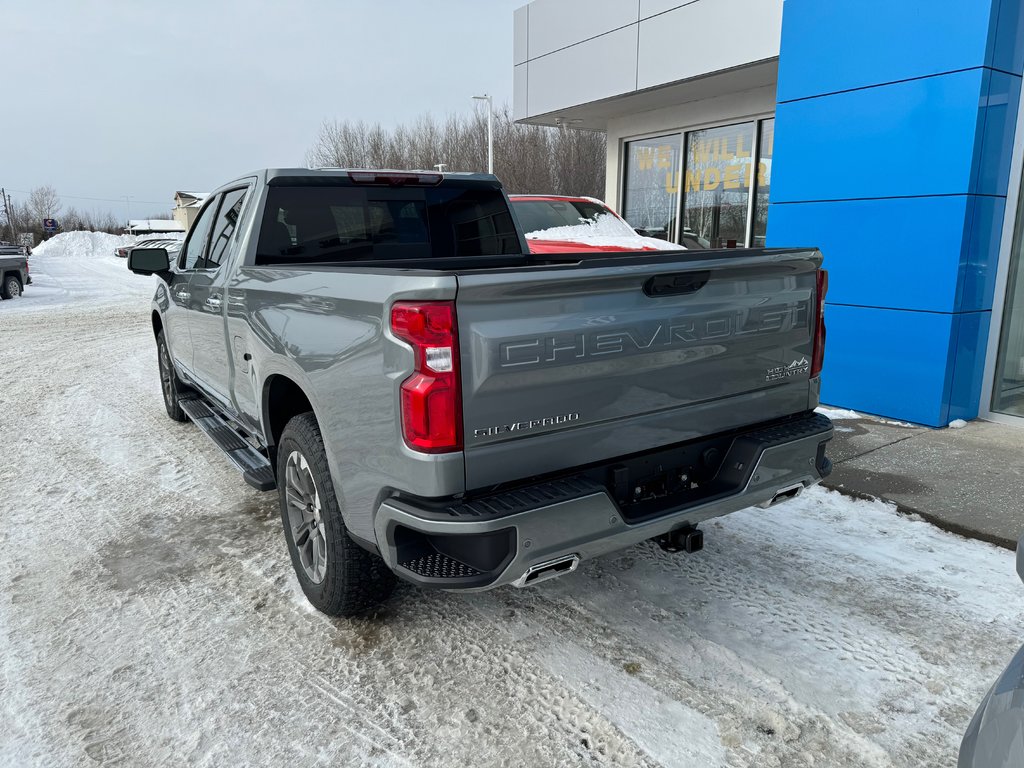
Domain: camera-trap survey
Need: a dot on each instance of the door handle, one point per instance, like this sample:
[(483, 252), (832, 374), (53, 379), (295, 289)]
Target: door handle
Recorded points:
[(213, 301), (183, 295)]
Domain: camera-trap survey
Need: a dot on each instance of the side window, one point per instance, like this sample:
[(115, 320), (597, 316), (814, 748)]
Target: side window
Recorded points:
[(224, 226), (193, 250)]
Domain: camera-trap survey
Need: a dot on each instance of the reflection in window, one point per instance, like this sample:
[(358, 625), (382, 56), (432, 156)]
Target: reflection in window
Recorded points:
[(652, 186), (1008, 389), (191, 254), (763, 182), (716, 184), (227, 220)]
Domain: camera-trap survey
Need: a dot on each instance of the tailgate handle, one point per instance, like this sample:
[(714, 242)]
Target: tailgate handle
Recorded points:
[(677, 284)]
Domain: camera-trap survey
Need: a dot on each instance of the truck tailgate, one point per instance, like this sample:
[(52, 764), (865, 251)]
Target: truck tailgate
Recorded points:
[(568, 365)]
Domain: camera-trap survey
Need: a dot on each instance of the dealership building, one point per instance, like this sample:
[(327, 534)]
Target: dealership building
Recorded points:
[(887, 134)]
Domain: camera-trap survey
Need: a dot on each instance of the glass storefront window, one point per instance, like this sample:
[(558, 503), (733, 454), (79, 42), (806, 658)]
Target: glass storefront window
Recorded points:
[(1008, 388), (719, 168), (651, 191), (716, 184), (762, 184)]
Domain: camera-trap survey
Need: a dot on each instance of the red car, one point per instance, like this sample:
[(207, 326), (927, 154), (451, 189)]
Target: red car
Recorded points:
[(563, 224)]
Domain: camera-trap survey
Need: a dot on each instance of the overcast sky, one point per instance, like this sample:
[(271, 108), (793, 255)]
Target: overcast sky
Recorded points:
[(142, 98)]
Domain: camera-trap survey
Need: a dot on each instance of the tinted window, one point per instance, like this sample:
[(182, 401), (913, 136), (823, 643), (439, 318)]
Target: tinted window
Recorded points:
[(224, 228), (197, 237), (338, 223)]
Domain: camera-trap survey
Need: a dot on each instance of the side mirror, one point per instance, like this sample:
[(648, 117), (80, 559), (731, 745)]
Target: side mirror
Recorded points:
[(149, 261)]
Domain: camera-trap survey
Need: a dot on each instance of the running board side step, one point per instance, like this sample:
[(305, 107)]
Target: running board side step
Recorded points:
[(254, 466)]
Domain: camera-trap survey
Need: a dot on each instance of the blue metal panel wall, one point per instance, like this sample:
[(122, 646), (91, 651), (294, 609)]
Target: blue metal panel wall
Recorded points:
[(893, 135)]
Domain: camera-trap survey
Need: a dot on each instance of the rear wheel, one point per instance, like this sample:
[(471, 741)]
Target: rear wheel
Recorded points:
[(170, 384), (11, 288), (337, 576)]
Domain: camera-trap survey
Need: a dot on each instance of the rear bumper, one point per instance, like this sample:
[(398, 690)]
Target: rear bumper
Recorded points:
[(502, 538)]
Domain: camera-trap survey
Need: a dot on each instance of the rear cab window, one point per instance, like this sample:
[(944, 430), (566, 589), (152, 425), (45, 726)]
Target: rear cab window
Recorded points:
[(309, 221)]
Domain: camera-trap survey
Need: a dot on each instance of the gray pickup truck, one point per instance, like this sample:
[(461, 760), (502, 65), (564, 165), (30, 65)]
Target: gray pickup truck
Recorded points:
[(432, 401), (14, 271)]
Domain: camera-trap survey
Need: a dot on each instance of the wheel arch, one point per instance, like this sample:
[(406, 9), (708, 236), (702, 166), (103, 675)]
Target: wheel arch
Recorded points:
[(282, 398), (158, 323)]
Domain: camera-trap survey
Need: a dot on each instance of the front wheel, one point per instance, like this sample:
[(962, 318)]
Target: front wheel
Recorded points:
[(11, 288), (170, 384), (337, 576)]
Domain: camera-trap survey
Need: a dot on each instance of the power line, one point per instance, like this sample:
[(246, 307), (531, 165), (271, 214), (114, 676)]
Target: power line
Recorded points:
[(97, 199)]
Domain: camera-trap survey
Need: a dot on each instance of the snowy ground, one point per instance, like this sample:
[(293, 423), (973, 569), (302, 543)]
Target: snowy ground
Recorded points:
[(149, 616)]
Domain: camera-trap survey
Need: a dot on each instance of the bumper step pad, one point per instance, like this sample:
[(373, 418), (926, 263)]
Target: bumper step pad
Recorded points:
[(251, 462), (438, 566)]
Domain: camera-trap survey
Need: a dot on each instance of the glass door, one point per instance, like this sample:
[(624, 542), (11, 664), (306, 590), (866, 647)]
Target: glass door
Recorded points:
[(1008, 386)]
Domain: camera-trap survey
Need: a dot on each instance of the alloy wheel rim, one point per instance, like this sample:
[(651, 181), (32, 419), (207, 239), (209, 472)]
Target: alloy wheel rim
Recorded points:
[(14, 289), (305, 517)]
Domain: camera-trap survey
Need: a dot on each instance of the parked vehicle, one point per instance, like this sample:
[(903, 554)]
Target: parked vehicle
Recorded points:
[(14, 275), (995, 737), (172, 244), (565, 224), (9, 249), (431, 400)]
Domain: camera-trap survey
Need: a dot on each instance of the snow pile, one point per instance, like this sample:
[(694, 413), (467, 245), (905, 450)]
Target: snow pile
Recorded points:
[(87, 245), (603, 230), (81, 268), (893, 423), (838, 413), (957, 424)]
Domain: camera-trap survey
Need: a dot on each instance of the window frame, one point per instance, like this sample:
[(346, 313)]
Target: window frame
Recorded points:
[(246, 189), (683, 132), (624, 174), (212, 202)]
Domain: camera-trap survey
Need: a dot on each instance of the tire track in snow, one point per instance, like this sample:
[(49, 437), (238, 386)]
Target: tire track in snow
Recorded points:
[(159, 622)]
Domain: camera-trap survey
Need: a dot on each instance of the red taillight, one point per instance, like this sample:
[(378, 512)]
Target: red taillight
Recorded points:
[(431, 398), (818, 355)]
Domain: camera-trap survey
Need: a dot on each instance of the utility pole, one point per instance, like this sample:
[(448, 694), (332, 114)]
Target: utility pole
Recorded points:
[(8, 215), (490, 130)]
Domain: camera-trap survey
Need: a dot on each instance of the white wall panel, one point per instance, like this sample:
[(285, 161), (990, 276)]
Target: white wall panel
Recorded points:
[(519, 91), (596, 69), (651, 7), (707, 36), (520, 34), (555, 24)]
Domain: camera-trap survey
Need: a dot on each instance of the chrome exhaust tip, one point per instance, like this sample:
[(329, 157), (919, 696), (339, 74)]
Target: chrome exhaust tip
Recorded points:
[(550, 569), (783, 494)]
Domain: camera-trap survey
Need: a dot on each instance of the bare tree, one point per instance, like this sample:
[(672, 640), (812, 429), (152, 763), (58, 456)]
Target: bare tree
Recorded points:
[(527, 158), (44, 203)]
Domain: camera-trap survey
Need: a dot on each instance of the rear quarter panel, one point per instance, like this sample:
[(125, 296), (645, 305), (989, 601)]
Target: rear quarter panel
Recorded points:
[(326, 330)]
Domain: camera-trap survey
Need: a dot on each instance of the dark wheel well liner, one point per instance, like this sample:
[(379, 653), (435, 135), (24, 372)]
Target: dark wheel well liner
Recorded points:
[(283, 399)]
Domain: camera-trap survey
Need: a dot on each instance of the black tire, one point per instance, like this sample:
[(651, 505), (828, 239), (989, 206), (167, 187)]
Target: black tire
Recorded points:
[(352, 580), (11, 289), (170, 384)]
